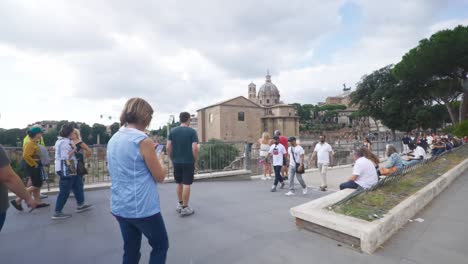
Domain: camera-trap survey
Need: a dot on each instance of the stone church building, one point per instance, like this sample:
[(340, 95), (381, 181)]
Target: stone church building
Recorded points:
[(245, 119)]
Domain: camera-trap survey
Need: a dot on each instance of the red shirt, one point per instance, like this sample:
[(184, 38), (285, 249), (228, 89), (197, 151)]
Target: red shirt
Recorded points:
[(284, 141)]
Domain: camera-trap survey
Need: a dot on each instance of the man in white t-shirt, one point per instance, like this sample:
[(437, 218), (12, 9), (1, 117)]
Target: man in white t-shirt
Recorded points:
[(364, 173), (296, 163), (277, 151), (324, 153), (418, 155)]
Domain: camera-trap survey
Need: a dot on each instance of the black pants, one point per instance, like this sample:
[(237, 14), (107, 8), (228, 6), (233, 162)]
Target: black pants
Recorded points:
[(278, 177)]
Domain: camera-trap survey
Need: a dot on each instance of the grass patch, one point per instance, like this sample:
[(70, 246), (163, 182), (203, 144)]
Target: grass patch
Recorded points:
[(373, 205)]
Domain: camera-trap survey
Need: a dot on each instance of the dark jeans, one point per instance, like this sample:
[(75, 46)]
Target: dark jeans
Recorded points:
[(278, 177), (2, 220), (154, 230), (349, 185), (67, 184), (436, 152)]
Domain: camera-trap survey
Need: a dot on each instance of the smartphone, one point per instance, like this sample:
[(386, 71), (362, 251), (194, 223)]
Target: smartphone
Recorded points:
[(160, 148)]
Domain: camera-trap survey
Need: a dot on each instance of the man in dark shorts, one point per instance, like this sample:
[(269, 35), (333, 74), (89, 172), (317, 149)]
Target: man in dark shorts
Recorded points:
[(182, 148), (10, 180)]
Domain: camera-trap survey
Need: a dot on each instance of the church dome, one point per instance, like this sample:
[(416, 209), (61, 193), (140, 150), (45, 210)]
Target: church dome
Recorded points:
[(268, 88)]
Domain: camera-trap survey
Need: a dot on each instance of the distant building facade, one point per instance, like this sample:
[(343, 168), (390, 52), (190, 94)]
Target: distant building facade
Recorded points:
[(245, 119), (46, 125)]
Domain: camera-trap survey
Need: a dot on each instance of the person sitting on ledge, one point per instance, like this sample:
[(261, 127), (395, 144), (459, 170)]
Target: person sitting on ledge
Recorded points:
[(438, 147), (394, 161), (418, 155), (364, 173)]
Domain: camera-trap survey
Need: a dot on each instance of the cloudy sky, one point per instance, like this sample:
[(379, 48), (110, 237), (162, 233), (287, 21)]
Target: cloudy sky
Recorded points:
[(77, 60)]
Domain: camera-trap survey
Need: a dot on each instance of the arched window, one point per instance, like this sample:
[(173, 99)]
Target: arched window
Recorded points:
[(260, 101), (268, 101), (211, 118)]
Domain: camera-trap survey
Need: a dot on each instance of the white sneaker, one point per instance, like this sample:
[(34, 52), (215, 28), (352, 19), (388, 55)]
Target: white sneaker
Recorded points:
[(268, 178), (290, 193), (179, 208), (264, 178), (304, 191), (187, 211)]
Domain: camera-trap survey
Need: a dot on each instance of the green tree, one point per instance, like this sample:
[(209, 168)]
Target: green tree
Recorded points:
[(216, 155), (11, 137), (114, 128), (381, 96), (99, 130), (86, 133), (438, 67)]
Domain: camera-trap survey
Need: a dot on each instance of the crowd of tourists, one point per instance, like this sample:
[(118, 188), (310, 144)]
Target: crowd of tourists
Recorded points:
[(136, 167)]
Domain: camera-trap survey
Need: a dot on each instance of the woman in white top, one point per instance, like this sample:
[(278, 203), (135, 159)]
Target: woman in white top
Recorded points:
[(265, 143)]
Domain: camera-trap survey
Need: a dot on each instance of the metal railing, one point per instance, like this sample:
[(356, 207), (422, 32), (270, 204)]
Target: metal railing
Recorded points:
[(213, 157)]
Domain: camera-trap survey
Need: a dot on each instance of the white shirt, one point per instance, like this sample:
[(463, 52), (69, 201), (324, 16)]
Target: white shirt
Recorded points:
[(418, 152), (278, 152), (323, 152), (429, 140), (297, 151), (366, 173)]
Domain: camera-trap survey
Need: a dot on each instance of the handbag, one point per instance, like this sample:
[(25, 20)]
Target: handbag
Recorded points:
[(67, 166), (81, 168), (298, 165)]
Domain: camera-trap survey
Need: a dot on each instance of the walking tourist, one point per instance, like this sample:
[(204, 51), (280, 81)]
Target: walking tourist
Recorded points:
[(278, 152), (182, 148), (406, 140), (394, 161), (10, 180), (367, 144), (135, 172), (265, 143), (66, 168), (283, 141), (296, 166), (418, 154), (41, 146), (364, 174), (31, 155), (324, 154)]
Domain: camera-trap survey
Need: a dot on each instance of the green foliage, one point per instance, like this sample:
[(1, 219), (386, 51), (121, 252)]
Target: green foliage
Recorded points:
[(381, 96), (332, 107), (86, 134), (12, 137), (216, 155), (101, 131), (436, 66), (460, 130), (114, 128)]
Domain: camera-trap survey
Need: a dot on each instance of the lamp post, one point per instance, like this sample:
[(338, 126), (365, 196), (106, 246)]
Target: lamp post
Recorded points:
[(102, 118)]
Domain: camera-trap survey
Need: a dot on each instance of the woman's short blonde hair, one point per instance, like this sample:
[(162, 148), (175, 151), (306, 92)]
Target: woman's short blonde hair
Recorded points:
[(136, 111), (265, 136), (78, 133)]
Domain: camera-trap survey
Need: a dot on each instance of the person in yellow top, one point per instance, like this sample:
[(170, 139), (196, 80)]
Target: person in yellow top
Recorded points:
[(26, 139), (31, 155)]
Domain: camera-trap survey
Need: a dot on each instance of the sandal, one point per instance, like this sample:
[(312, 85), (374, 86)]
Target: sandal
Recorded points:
[(42, 205), (18, 207)]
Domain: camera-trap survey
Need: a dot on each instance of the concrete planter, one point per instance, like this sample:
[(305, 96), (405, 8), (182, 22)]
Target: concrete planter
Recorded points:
[(369, 236)]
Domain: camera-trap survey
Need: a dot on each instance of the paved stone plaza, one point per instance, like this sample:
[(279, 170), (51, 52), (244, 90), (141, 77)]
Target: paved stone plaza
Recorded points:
[(235, 222)]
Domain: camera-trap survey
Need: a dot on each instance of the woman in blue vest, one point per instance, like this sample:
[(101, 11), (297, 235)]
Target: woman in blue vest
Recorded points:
[(135, 172)]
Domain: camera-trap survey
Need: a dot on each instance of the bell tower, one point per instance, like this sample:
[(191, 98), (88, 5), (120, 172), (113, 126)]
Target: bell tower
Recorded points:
[(252, 92)]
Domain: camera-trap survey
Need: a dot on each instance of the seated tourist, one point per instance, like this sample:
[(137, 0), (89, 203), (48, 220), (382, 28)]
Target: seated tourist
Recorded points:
[(394, 161), (364, 173), (418, 154), (372, 157), (438, 147), (448, 144)]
